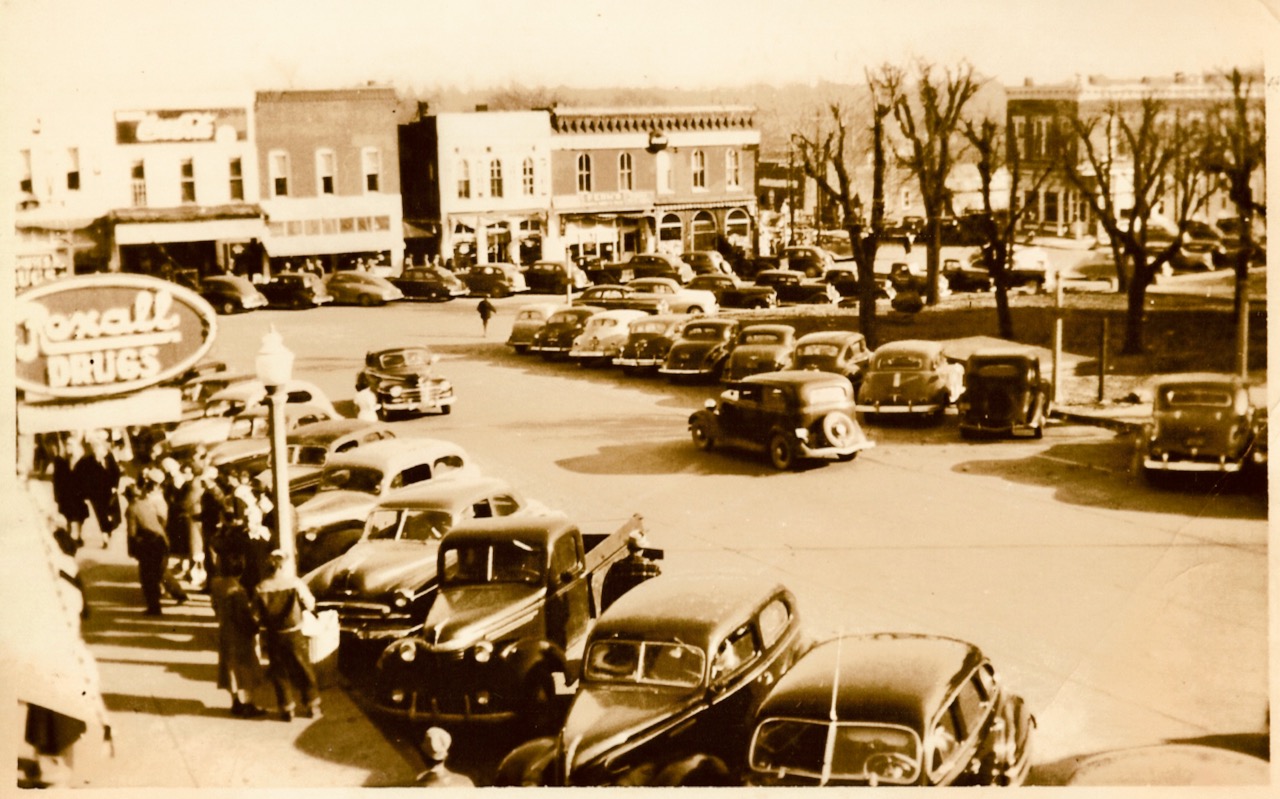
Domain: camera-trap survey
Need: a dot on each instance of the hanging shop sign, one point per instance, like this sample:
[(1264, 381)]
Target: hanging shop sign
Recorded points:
[(100, 335)]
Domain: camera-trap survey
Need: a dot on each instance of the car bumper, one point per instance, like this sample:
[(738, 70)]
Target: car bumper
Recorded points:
[(642, 362), (910, 407), (999, 428), (667, 371), (832, 453), (423, 405), (1198, 464), (370, 621), (592, 354), (548, 348), (417, 707)]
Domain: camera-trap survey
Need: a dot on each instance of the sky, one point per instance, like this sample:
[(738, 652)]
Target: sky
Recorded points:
[(88, 53)]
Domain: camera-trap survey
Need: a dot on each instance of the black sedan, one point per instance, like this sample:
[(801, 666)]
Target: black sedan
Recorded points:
[(231, 294), (296, 290)]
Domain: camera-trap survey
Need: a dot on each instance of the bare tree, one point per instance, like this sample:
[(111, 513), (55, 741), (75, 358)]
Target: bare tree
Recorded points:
[(516, 97), (1165, 159), (825, 161), (929, 157), (998, 231)]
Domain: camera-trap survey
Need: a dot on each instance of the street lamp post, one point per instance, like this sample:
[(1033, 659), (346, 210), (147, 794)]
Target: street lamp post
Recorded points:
[(274, 367)]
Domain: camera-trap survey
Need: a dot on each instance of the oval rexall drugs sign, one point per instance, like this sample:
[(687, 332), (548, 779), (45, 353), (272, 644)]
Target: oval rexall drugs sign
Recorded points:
[(100, 335)]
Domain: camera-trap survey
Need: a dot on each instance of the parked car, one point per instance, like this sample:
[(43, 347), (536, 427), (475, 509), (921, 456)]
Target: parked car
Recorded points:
[(808, 260), (759, 348), (429, 283), (844, 280), (198, 389), (838, 352), (215, 425), (909, 377), (403, 380), (1027, 267), (707, 262), (966, 277), (296, 290), (384, 585), (791, 416), (891, 709), (361, 288), (555, 338), (729, 292), (243, 443), (494, 280), (678, 298), (657, 264), (231, 294), (649, 339), (701, 350), (529, 320), (554, 277), (353, 482), (310, 446), (602, 337), (1205, 422), (1004, 394), (794, 289), (672, 676), (613, 297), (750, 267)]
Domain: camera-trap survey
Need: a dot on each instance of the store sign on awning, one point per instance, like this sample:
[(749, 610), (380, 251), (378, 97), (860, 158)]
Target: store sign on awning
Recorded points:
[(101, 335)]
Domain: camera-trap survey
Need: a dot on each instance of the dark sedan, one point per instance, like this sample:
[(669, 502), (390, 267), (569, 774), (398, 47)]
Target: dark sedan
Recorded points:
[(701, 350), (555, 338), (296, 290), (429, 283), (231, 294), (839, 351), (794, 289)]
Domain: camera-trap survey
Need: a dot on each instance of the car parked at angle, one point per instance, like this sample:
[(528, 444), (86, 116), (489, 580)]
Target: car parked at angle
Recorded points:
[(555, 277), (352, 483), (649, 339), (809, 260), (707, 262), (840, 352), (433, 283), (701, 350), (403, 380), (962, 277), (679, 299), (729, 292), (240, 396), (362, 288), (494, 280), (602, 337), (555, 338), (230, 294), (243, 443), (529, 320), (672, 676), (659, 264), (891, 709), (909, 378), (613, 297), (384, 585), (296, 290), (1029, 267), (794, 288), (790, 416), (1204, 422), (757, 349), (309, 447), (1004, 394)]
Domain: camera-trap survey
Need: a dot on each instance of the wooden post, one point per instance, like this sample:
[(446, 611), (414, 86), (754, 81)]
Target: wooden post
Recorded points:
[(1102, 358)]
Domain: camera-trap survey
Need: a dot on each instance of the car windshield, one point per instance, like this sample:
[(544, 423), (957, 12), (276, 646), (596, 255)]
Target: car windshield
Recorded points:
[(352, 478), (393, 360), (646, 662), (999, 371), (248, 427), (1195, 396), (307, 455), (818, 351), (704, 332), (408, 525), (479, 562), (529, 315), (857, 751), (900, 362)]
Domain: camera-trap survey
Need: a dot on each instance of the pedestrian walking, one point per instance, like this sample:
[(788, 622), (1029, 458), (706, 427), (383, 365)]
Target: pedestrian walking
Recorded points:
[(145, 521), (239, 670), (435, 751), (365, 400), (630, 571), (98, 475), (68, 493), (486, 310), (280, 601)]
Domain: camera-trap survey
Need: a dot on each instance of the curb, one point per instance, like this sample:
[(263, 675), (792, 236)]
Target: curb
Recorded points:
[(1118, 425)]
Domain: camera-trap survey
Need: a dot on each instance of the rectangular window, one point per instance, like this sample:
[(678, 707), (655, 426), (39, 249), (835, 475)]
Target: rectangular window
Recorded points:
[(25, 183), (625, 173), (1020, 136), (279, 165), (372, 159), (495, 178), (584, 172), (526, 179), (699, 168), (464, 180), (325, 165), (138, 174), (73, 169), (311, 227), (733, 169), (188, 180), (237, 179)]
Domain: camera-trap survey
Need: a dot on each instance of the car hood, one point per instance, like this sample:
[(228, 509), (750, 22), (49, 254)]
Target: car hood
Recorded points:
[(331, 507), (922, 386), (462, 615), (373, 568), (604, 719)]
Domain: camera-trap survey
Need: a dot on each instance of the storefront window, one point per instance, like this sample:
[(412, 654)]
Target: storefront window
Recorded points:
[(671, 229), (704, 231)]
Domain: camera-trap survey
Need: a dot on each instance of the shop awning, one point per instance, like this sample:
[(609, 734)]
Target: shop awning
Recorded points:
[(142, 408), (747, 204), (242, 221), (185, 213)]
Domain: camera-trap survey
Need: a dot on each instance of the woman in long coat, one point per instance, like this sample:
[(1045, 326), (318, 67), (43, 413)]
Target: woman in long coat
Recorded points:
[(68, 493), (239, 670)]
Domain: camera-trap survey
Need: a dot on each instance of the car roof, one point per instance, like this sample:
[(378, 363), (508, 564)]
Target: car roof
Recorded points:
[(445, 494), (624, 314), (245, 389), (664, 318), (1002, 355), (767, 328), (393, 453), (712, 322), (405, 348), (328, 431), (580, 310), (794, 378), (1216, 378), (539, 529), (694, 608), (888, 678), (913, 346), (829, 337)]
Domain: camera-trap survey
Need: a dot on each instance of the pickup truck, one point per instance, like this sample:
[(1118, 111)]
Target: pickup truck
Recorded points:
[(517, 598)]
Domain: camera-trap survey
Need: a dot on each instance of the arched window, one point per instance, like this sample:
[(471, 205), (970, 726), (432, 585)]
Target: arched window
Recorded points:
[(584, 172), (495, 178), (464, 180), (733, 169), (704, 231), (526, 181), (671, 230), (699, 169), (737, 228), (625, 182)]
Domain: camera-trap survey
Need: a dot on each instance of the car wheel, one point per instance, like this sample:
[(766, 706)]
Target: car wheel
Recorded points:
[(445, 410), (521, 349), (1039, 430), (700, 431), (227, 307), (538, 710), (694, 771), (782, 452), (525, 765), (366, 300), (695, 309), (384, 415), (839, 429)]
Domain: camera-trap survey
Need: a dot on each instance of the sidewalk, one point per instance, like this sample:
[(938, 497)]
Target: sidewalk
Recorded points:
[(172, 726)]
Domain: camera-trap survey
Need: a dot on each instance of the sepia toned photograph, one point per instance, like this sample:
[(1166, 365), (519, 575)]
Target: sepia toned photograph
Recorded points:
[(594, 394)]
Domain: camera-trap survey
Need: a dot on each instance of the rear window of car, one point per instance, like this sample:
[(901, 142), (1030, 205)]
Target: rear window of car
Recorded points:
[(828, 394), (367, 481), (649, 327), (818, 351), (1193, 396), (762, 338), (899, 362), (305, 455), (998, 371), (704, 333)]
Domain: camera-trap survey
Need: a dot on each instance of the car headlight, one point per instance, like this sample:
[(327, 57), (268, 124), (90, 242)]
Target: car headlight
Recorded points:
[(483, 652), (402, 598), (309, 537), (395, 391), (397, 696), (802, 434), (407, 651)]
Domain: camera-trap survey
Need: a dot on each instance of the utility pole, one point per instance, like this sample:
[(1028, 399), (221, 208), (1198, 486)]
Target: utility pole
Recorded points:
[(791, 190)]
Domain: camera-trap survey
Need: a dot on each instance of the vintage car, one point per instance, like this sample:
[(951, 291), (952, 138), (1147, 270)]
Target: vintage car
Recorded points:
[(429, 283), (494, 280), (701, 350), (649, 338), (789, 415), (707, 262), (731, 293), (215, 422), (614, 297), (795, 289), (1004, 394), (244, 443), (672, 676), (309, 447), (296, 290), (657, 264), (555, 277), (362, 288), (231, 294), (352, 483), (909, 377), (891, 709), (678, 298), (759, 348), (529, 320), (1028, 267), (836, 351), (384, 585), (1205, 423), (555, 338), (403, 380), (602, 337), (808, 260)]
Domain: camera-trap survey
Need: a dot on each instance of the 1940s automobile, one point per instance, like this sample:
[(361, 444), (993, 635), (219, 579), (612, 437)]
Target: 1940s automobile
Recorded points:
[(649, 339), (403, 380), (672, 676), (758, 349), (1004, 394), (789, 415), (838, 351), (701, 350), (1204, 423), (909, 377), (555, 338), (891, 709)]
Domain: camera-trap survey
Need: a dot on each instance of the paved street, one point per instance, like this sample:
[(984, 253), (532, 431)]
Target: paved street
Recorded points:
[(1126, 616)]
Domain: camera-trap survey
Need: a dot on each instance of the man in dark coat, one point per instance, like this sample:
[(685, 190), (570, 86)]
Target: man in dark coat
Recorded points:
[(280, 601), (98, 475), (629, 572), (145, 522)]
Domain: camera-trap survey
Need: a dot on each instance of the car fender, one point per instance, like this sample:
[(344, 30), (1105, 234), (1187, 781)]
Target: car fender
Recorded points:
[(710, 418), (529, 764)]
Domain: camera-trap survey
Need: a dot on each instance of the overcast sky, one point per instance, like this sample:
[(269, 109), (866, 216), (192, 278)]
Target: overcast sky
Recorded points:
[(96, 52)]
